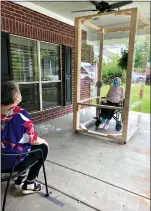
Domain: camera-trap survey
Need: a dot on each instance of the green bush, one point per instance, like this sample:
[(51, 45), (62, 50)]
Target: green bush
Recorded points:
[(112, 70)]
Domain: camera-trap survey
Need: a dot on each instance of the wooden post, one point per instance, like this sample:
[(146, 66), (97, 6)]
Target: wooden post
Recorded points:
[(99, 75), (133, 27), (78, 38)]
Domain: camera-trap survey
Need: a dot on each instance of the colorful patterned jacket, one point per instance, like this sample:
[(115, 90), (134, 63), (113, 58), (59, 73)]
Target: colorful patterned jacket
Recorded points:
[(17, 132)]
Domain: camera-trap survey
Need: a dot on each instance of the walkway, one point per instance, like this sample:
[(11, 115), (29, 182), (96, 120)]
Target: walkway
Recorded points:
[(89, 174)]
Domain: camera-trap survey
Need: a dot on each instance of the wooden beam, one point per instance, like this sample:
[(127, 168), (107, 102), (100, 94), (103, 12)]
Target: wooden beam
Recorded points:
[(126, 13), (83, 127), (100, 106), (91, 98), (89, 17), (119, 29), (91, 25), (116, 29), (143, 18), (99, 134), (78, 38), (95, 133), (133, 27)]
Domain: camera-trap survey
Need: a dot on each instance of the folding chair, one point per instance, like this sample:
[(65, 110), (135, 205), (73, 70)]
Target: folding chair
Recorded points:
[(13, 176)]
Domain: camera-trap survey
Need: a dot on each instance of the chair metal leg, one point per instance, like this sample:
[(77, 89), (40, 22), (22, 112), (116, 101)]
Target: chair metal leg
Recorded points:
[(45, 178), (7, 186)]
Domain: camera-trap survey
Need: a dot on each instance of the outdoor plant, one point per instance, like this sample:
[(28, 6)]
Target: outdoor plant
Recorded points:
[(122, 62)]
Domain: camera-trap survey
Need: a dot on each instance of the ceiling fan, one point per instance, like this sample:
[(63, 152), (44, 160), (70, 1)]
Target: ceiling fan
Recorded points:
[(102, 6)]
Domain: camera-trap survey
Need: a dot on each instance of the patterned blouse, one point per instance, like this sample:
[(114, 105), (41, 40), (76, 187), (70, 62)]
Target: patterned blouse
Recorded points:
[(17, 132), (115, 94)]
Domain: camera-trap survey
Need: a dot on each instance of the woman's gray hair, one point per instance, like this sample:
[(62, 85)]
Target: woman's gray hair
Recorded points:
[(9, 92)]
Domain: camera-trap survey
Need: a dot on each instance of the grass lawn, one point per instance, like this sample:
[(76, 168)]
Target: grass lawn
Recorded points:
[(146, 98), (135, 96)]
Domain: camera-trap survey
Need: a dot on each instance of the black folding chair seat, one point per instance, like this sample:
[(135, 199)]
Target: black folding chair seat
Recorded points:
[(13, 173)]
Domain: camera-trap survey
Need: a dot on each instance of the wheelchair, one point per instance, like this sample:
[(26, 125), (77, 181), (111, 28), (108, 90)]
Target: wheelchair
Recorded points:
[(117, 116)]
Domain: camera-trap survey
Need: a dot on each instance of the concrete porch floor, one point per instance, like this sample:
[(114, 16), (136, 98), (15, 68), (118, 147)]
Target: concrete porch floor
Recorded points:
[(87, 174)]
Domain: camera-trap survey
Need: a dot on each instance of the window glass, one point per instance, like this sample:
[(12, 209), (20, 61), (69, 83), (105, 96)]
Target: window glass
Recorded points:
[(50, 62), (24, 56), (30, 97), (51, 95), (24, 59)]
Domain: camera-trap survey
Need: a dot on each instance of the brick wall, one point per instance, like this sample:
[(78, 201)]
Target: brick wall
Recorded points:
[(22, 21), (85, 88), (87, 54)]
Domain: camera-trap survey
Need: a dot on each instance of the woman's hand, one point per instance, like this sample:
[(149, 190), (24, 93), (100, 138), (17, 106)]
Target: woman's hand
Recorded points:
[(40, 141)]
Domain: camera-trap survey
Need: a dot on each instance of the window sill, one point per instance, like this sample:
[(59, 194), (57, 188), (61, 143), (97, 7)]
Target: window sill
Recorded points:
[(47, 109)]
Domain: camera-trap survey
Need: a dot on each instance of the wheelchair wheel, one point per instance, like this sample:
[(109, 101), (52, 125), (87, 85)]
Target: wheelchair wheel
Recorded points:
[(97, 123), (118, 126)]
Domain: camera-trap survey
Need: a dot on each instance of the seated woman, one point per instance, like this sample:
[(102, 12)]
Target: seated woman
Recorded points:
[(114, 96), (18, 135)]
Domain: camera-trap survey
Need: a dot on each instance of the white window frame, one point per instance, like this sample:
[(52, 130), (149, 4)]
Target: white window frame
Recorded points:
[(40, 82)]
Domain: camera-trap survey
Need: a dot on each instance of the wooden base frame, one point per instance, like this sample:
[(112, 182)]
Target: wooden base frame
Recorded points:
[(135, 15)]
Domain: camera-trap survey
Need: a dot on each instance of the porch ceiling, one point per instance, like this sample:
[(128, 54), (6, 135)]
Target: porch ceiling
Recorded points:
[(64, 9)]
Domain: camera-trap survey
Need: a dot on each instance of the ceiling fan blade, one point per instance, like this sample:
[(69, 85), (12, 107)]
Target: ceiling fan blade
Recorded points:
[(120, 4), (84, 11), (110, 10), (94, 2)]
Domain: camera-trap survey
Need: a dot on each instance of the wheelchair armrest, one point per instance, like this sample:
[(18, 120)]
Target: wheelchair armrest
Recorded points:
[(103, 100)]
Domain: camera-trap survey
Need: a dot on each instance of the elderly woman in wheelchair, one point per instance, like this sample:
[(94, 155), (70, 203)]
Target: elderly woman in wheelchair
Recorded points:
[(114, 97)]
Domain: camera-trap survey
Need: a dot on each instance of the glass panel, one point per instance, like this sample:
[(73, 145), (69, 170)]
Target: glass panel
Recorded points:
[(50, 62), (92, 125), (140, 92), (51, 95), (30, 96), (24, 59)]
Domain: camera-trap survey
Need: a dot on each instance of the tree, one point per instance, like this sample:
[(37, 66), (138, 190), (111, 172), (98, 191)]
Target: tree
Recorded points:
[(112, 70)]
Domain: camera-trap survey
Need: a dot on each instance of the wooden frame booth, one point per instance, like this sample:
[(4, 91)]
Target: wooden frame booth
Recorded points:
[(137, 22)]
